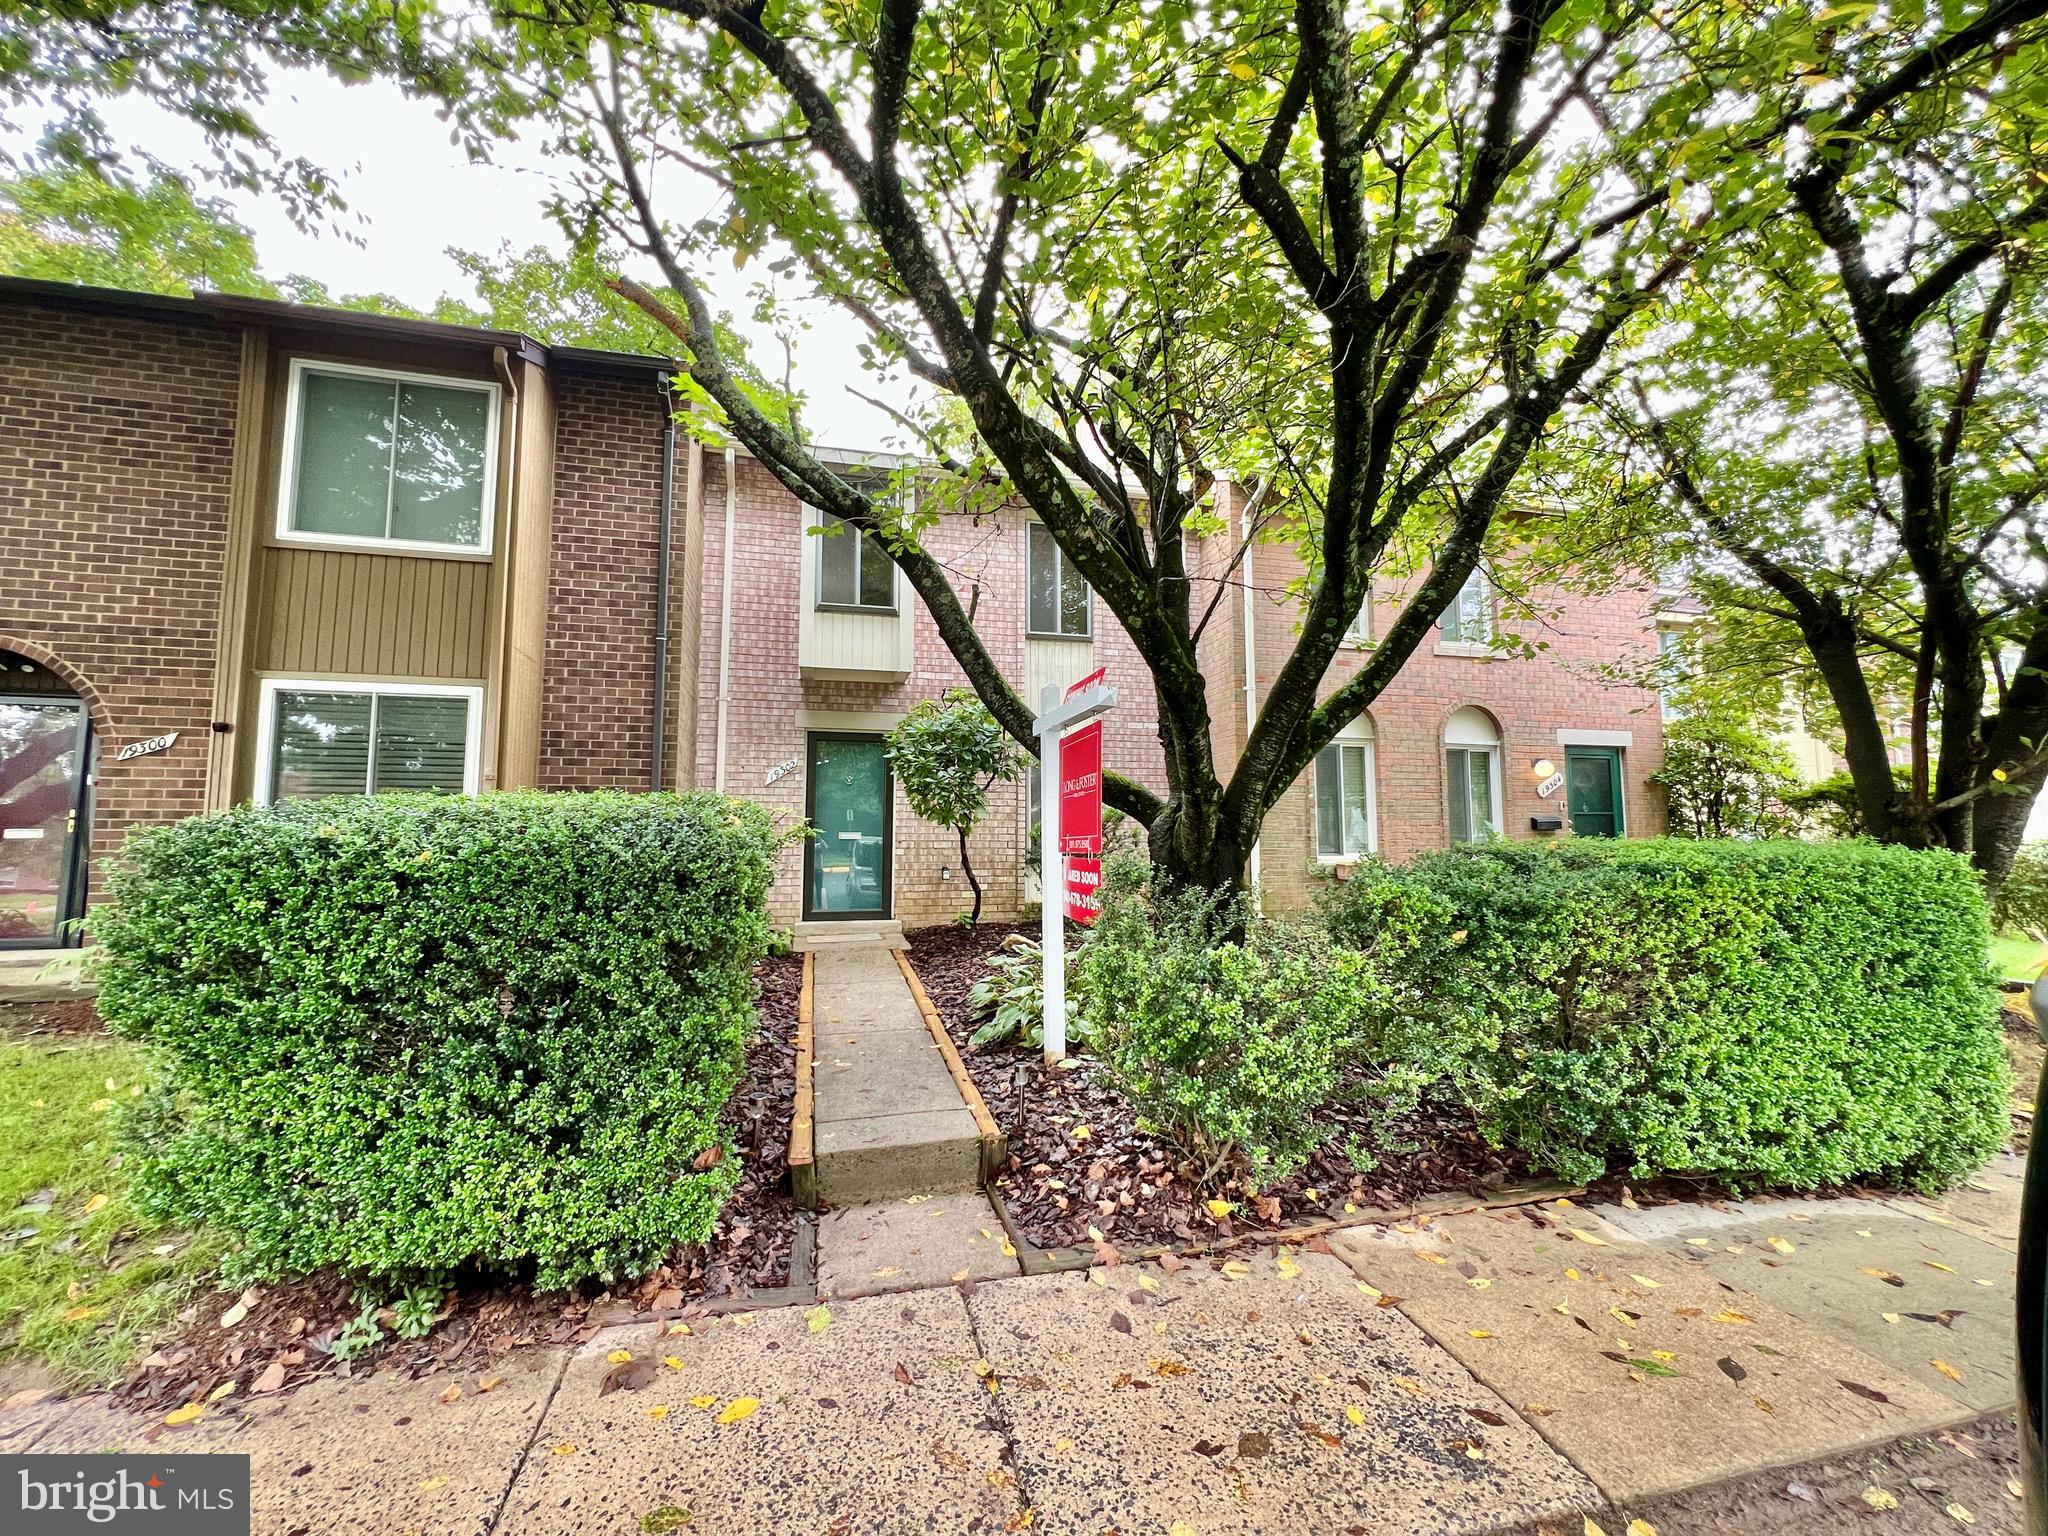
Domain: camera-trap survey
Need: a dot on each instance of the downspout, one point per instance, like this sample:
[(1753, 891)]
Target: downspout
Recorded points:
[(1251, 653), (661, 575), (725, 623), (501, 362)]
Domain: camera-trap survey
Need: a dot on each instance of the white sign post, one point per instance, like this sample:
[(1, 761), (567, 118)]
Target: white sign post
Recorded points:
[(1089, 700)]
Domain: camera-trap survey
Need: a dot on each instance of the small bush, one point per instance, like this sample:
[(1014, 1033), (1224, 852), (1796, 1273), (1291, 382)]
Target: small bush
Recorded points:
[(405, 1034), (1777, 1013), (2021, 905), (1228, 1033), (1010, 1000)]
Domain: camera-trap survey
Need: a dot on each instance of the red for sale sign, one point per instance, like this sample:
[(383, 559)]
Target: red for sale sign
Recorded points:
[(1081, 790), (1084, 890)]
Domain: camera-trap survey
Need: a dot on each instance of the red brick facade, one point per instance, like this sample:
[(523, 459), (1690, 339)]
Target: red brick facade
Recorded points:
[(116, 438)]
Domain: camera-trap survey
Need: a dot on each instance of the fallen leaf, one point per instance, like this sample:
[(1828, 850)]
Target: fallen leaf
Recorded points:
[(1253, 1443), (1220, 1208), (1730, 1317), (184, 1415), (1641, 1528), (269, 1379), (1592, 1527), (619, 1356), (903, 1375), (1882, 1274), (1860, 1390), (490, 1384), (1880, 1498), (703, 1400), (96, 1203), (739, 1408), (1368, 1290), (1947, 1370), (1587, 1237), (234, 1314), (1781, 1245), (1958, 1513), (429, 1484), (658, 1411), (1430, 1257), (451, 1394), (564, 1449), (1942, 1267), (1730, 1369), (1354, 1413), (1646, 1282), (818, 1319)]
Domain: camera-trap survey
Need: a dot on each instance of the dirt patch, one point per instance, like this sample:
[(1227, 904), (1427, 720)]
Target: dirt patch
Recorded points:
[(26, 1021), (271, 1339), (1907, 1488), (1078, 1158)]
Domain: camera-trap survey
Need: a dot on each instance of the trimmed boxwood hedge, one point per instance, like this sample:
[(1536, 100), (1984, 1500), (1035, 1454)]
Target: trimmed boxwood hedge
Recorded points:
[(406, 1034), (1772, 1013)]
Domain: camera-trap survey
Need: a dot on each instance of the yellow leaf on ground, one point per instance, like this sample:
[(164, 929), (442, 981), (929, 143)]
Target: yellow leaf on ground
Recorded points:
[(703, 1400), (1079, 1133), (1730, 1317), (234, 1314), (1646, 1282), (1479, 1333), (565, 1449), (1890, 1317), (1880, 1498), (1009, 1249), (1354, 1413), (96, 1203), (1429, 1257), (1591, 1527), (818, 1319), (1783, 1245), (80, 1314), (1570, 1273), (1370, 1290), (1147, 1283), (658, 1411), (1180, 1528), (1587, 1237), (1220, 1208), (739, 1408), (490, 1384), (1641, 1528), (1942, 1267), (1288, 1268), (678, 1327), (1236, 1269), (1411, 1386), (1959, 1513), (888, 1271), (673, 1362), (184, 1415), (1096, 1276), (619, 1356), (1947, 1370), (227, 1389), (429, 1484), (958, 1276)]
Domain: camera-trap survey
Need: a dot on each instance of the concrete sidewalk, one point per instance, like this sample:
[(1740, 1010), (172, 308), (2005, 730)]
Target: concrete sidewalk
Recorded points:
[(1477, 1372)]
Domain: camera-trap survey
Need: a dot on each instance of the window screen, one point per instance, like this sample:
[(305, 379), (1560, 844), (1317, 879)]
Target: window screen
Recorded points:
[(391, 459), (1057, 596), (853, 571)]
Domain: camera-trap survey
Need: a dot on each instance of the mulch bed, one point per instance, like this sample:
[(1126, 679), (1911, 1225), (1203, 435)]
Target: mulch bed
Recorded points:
[(276, 1337), (1079, 1160)]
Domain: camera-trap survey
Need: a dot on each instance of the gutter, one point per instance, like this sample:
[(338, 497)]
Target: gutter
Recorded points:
[(725, 622), (662, 559), (505, 552)]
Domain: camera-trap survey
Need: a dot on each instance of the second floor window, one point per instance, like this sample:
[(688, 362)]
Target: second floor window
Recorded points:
[(853, 570), (1469, 618), (1058, 596), (379, 458)]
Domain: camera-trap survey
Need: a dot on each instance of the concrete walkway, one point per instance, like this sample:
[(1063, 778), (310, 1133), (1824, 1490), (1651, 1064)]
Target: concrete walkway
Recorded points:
[(1478, 1372), (890, 1120)]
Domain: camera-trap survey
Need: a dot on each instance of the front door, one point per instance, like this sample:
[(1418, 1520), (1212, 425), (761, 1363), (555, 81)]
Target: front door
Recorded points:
[(849, 799), (1593, 786), (45, 747)]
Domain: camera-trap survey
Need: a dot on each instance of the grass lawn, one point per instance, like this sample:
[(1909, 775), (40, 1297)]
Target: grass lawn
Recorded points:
[(85, 1280), (2016, 957)]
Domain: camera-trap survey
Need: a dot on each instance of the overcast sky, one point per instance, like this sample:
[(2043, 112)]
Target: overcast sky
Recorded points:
[(412, 194)]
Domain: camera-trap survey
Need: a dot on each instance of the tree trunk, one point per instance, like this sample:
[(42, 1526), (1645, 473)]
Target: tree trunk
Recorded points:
[(2001, 824), (967, 871)]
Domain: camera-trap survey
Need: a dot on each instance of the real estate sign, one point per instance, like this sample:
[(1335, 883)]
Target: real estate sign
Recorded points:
[(1081, 790), (1084, 890)]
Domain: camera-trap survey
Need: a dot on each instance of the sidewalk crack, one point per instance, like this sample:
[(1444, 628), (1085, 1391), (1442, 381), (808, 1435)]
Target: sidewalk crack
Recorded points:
[(999, 1407), (547, 1404)]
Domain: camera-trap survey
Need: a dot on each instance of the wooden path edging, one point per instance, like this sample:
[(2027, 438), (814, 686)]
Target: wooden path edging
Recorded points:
[(994, 1149)]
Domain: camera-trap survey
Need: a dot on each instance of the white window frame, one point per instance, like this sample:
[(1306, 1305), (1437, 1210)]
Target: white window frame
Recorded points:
[(1360, 631), (288, 471), (266, 721), (1350, 737), (1445, 645), (1059, 572)]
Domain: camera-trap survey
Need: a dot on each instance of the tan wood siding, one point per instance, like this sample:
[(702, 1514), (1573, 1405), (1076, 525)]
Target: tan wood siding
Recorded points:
[(529, 531), (371, 615)]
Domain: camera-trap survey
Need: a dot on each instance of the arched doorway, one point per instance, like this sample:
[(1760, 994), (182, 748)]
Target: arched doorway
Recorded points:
[(46, 748)]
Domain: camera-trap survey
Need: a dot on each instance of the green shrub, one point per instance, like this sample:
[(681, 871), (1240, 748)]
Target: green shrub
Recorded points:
[(1010, 1000), (405, 1034), (1229, 1033), (2021, 905), (1778, 1013)]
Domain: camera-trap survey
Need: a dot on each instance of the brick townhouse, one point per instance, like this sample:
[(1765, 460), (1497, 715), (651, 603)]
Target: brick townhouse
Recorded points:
[(256, 549)]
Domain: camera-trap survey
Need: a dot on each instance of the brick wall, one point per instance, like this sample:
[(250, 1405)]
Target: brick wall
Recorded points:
[(769, 701), (116, 435), (597, 691), (1530, 700)]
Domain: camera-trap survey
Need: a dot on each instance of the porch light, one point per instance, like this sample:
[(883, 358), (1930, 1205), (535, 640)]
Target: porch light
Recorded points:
[(1543, 768)]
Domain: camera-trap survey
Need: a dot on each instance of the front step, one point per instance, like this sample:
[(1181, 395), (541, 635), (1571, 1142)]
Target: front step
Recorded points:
[(827, 935), (885, 1158)]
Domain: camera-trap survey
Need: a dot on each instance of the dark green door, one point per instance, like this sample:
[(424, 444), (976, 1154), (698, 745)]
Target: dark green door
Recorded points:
[(851, 799), (1593, 784)]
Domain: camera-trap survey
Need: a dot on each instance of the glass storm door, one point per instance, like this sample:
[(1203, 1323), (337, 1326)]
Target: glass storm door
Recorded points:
[(43, 751), (850, 793), (1593, 786)]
